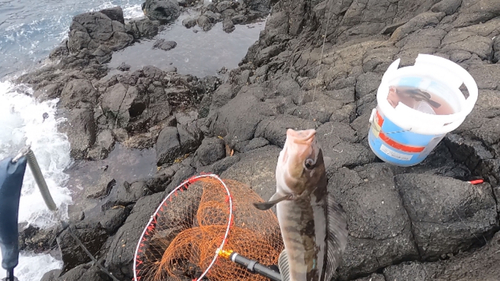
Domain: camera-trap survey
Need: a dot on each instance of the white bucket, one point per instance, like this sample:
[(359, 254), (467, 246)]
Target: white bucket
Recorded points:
[(402, 135)]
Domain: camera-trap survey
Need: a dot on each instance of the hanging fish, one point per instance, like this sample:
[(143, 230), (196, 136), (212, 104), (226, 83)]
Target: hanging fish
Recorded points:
[(312, 224)]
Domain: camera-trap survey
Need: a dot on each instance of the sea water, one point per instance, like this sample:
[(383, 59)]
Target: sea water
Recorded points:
[(22, 123), (29, 30)]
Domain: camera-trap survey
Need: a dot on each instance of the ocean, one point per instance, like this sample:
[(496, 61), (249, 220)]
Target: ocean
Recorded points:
[(29, 31)]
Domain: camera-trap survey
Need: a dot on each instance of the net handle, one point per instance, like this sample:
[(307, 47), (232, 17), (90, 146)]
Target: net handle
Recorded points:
[(187, 182)]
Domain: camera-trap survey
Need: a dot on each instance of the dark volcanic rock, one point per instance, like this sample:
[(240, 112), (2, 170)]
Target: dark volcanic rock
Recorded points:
[(340, 144), (184, 172), (379, 227), (258, 5), (142, 28), (411, 271), (481, 264), (77, 91), (496, 48), (373, 277), (186, 3), (83, 272), (114, 218), (123, 67), (274, 128), (237, 120), (474, 12), (91, 30), (103, 145), (257, 170), (34, 239), (102, 188), (118, 102), (189, 22), (190, 136), (164, 45), (164, 11), (210, 150), (168, 146), (81, 131), (230, 13), (255, 143), (228, 25), (51, 275), (163, 177), (123, 243), (91, 235), (220, 166), (129, 192), (468, 212), (205, 23)]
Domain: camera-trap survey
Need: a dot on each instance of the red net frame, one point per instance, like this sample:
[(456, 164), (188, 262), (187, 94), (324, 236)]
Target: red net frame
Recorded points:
[(148, 231)]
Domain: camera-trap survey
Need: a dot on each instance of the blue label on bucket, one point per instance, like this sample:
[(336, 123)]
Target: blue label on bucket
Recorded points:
[(397, 146)]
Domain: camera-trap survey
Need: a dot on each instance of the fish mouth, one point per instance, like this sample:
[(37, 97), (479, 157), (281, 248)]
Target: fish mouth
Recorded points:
[(301, 137), (299, 153)]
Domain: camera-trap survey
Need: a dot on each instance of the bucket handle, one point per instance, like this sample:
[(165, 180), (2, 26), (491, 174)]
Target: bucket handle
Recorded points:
[(463, 77)]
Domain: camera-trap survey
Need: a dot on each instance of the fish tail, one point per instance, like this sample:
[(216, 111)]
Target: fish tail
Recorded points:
[(284, 266)]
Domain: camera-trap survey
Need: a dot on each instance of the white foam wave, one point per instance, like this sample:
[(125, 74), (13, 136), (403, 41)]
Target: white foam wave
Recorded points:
[(33, 267), (22, 123), (130, 10)]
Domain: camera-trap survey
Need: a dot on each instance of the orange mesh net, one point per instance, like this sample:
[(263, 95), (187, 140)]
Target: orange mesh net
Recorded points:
[(182, 238)]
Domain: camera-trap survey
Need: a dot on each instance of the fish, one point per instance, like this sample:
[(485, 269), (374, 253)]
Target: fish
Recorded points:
[(312, 224)]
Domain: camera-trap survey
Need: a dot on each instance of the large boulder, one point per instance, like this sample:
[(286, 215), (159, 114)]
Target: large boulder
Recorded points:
[(81, 130), (480, 264), (92, 30), (164, 11), (210, 150), (77, 91), (142, 28), (380, 231), (447, 215), (168, 146), (81, 272), (123, 244), (121, 102), (257, 170), (93, 237)]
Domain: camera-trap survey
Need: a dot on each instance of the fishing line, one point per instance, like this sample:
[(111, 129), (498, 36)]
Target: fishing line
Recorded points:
[(322, 51), (320, 62)]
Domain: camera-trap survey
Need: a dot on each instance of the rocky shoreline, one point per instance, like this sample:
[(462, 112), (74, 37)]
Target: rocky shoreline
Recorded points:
[(317, 64)]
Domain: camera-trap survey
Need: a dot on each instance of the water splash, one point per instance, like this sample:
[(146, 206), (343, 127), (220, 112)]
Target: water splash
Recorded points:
[(22, 123), (33, 267)]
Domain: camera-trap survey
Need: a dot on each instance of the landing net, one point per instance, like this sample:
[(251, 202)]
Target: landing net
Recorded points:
[(200, 216)]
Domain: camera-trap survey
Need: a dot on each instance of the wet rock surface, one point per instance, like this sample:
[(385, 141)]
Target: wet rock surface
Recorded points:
[(316, 65), (164, 11), (229, 13)]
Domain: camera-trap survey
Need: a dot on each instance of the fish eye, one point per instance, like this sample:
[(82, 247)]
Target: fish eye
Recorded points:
[(309, 163)]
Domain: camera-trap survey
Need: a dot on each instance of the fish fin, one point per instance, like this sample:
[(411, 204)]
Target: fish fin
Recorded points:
[(336, 236), (284, 266), (275, 199)]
